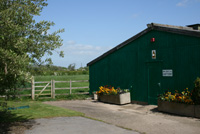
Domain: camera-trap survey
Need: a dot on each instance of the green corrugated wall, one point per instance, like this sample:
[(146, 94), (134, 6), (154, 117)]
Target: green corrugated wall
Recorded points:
[(132, 66)]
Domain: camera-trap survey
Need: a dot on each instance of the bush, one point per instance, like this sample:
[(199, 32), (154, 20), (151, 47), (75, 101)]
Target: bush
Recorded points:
[(196, 91), (71, 72), (3, 106)]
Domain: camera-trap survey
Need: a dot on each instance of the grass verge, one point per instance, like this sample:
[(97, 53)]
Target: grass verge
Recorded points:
[(36, 110)]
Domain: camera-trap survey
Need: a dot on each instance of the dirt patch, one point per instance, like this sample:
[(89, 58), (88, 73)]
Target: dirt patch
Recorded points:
[(7, 126), (16, 127)]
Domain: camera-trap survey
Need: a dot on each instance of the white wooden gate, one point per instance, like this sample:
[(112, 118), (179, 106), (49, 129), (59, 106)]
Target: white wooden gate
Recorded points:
[(36, 85), (51, 84)]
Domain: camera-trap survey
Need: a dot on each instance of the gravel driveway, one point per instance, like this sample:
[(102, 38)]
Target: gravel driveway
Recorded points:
[(141, 118), (74, 125)]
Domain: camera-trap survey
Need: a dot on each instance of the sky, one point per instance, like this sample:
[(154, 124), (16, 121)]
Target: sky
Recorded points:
[(92, 27)]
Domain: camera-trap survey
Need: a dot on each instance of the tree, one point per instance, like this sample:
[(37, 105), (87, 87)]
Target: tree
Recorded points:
[(71, 67), (23, 41)]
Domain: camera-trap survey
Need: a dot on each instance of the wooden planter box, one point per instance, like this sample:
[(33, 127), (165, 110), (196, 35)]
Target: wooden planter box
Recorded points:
[(115, 99), (197, 111), (179, 108)]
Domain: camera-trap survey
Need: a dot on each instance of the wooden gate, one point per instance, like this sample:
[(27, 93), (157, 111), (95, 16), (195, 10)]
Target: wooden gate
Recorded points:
[(39, 89)]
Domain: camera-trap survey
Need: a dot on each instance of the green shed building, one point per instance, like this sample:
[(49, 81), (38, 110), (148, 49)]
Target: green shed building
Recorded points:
[(159, 58)]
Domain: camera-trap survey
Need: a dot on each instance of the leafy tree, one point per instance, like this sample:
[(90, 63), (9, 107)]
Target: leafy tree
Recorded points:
[(71, 67), (23, 40)]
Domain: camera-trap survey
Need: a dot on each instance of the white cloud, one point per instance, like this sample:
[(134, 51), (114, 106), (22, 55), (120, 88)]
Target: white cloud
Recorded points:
[(71, 42), (73, 48), (182, 3), (134, 15), (80, 54)]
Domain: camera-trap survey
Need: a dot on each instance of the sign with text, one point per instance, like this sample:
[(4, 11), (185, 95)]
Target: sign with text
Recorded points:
[(167, 73)]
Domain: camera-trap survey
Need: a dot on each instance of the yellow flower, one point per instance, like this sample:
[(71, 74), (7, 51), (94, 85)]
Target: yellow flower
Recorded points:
[(167, 98), (183, 92), (101, 88)]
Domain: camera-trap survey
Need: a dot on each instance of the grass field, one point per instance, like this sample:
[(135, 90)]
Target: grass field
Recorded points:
[(61, 85), (35, 110)]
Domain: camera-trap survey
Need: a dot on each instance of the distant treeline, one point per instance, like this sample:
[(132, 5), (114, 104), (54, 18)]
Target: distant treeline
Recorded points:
[(56, 70)]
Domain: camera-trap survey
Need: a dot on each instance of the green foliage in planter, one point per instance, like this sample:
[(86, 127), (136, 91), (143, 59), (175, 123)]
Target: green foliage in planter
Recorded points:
[(196, 91)]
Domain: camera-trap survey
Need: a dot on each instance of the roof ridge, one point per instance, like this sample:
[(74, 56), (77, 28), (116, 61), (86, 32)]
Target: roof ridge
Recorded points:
[(152, 25)]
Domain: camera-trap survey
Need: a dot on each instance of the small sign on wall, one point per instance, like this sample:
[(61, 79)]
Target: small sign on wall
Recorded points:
[(167, 73), (153, 54)]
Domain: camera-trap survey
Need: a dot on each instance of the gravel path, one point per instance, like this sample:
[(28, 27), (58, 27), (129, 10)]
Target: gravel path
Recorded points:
[(144, 119), (75, 125)]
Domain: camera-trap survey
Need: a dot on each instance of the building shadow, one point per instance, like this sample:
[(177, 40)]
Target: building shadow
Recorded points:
[(155, 110)]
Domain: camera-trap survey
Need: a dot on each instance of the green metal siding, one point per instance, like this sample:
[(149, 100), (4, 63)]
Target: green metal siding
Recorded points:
[(132, 66)]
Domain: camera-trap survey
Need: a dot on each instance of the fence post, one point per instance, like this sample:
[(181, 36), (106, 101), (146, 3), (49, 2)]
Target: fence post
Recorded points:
[(70, 88), (53, 89), (33, 88)]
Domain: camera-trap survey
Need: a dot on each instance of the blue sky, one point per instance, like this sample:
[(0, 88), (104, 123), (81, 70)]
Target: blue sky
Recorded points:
[(92, 27)]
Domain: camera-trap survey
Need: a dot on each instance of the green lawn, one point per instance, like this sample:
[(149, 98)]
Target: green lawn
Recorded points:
[(36, 110)]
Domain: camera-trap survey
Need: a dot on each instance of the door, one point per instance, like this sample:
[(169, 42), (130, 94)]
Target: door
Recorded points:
[(154, 82)]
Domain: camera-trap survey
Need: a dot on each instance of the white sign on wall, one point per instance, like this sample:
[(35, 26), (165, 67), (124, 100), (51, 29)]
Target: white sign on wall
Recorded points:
[(153, 54), (167, 73)]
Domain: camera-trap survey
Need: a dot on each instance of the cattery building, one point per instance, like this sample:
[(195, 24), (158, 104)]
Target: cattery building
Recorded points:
[(159, 58)]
